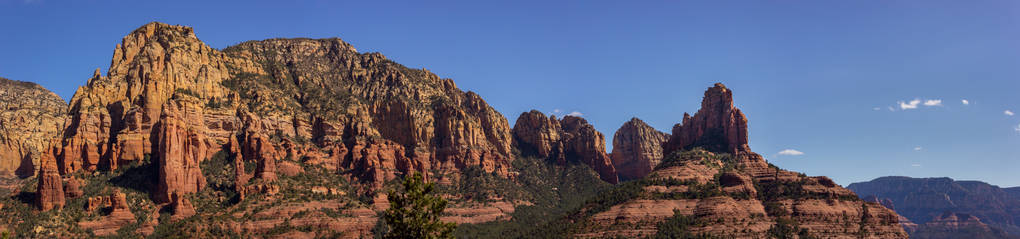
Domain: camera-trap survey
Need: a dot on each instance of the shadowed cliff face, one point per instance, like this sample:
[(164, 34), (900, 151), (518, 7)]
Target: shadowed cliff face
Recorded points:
[(923, 200), (30, 116)]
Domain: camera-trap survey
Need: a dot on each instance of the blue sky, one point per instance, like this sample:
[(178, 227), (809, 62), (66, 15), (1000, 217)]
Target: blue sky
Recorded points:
[(818, 77)]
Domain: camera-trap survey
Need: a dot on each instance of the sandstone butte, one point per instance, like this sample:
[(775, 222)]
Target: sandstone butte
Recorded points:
[(173, 110)]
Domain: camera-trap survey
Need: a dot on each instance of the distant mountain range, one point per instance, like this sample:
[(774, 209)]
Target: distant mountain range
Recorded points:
[(946, 208)]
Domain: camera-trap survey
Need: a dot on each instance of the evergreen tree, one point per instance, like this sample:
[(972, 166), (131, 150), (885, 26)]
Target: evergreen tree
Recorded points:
[(414, 213)]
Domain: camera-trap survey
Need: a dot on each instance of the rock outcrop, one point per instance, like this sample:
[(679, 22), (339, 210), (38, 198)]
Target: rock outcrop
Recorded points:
[(182, 146), (30, 116), (120, 215), (717, 127), (50, 189), (570, 138), (637, 149)]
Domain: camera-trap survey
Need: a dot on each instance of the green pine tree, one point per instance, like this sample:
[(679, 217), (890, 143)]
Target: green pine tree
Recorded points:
[(414, 213)]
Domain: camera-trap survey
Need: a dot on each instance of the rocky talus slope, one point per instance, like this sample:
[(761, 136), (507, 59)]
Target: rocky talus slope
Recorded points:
[(637, 149), (923, 200), (710, 183), (30, 115)]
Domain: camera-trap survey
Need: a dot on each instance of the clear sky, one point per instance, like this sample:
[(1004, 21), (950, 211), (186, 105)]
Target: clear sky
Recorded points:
[(823, 78)]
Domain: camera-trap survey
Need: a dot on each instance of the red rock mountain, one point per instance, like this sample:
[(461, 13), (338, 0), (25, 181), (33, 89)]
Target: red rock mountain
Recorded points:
[(710, 183), (571, 137), (169, 95), (718, 126), (637, 149)]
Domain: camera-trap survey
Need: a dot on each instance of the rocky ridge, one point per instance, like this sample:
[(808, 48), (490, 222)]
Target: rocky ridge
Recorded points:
[(30, 116)]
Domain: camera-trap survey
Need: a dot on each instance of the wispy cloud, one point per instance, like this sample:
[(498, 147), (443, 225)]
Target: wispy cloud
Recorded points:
[(877, 108), (915, 165), (1008, 112), (909, 105), (792, 152), (965, 102), (935, 102), (918, 148), (1017, 128), (575, 114)]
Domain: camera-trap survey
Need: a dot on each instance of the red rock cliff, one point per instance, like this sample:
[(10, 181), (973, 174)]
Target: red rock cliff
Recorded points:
[(718, 126), (571, 138), (637, 149)]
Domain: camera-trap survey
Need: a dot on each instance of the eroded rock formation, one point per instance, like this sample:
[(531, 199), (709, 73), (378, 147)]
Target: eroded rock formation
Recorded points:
[(50, 189), (637, 149), (182, 146), (570, 138), (718, 126)]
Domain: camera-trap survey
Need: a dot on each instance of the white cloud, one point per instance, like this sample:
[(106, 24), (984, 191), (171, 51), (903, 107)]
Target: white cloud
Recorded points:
[(965, 102), (1017, 128), (909, 105), (575, 114), (876, 108), (792, 152), (915, 165), (1008, 112), (918, 148), (933, 102), (556, 111), (891, 108)]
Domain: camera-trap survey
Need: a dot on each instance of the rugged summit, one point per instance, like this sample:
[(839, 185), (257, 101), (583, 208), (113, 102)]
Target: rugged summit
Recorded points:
[(710, 183), (922, 200), (30, 116), (637, 149), (718, 126), (560, 140)]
